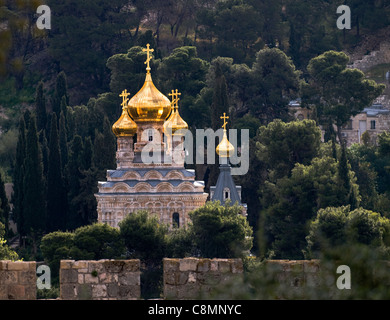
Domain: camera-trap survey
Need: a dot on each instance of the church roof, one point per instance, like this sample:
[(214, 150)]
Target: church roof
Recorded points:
[(225, 180), (143, 171)]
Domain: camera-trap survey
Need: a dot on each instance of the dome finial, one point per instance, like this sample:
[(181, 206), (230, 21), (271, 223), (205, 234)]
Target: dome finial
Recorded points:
[(225, 148), (148, 56)]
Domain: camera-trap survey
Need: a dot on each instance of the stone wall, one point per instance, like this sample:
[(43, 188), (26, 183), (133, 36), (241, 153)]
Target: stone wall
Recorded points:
[(193, 278), (100, 280), (17, 280)]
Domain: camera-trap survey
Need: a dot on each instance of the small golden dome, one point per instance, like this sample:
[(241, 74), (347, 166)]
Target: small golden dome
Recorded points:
[(174, 123), (125, 126), (225, 148)]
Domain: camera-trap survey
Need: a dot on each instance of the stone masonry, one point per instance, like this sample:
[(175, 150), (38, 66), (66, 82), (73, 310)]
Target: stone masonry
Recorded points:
[(100, 280), (193, 278), (17, 280)]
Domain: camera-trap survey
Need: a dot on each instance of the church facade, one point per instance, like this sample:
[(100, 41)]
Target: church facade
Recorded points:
[(164, 188)]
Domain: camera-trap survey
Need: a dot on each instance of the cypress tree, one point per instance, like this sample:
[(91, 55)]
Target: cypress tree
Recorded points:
[(61, 91), (45, 151), (88, 153), (104, 148), (4, 205), (17, 196), (63, 140), (74, 176), (40, 107), (220, 99), (56, 193), (34, 213)]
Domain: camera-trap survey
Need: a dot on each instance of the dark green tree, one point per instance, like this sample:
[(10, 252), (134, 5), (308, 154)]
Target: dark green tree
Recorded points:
[(291, 202), (338, 92), (275, 81), (340, 226), (144, 236), (4, 206), (281, 145), (74, 175), (40, 107), (221, 231), (63, 140), (17, 179), (34, 202), (97, 241), (60, 91), (56, 192)]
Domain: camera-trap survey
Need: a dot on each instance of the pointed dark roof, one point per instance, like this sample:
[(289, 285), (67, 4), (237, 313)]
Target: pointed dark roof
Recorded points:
[(225, 180)]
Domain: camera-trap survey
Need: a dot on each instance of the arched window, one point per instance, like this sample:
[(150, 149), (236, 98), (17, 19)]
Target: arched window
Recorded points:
[(150, 134), (226, 193), (176, 220)]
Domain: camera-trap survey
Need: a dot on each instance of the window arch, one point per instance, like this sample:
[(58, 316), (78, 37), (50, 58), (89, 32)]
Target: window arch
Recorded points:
[(226, 193), (176, 220)]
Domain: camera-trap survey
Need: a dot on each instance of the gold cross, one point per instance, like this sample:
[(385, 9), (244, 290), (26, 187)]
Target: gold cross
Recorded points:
[(175, 97), (224, 120), (148, 57), (124, 96)]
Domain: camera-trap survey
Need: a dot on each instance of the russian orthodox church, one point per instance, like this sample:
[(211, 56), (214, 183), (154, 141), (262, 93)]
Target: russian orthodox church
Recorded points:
[(164, 188)]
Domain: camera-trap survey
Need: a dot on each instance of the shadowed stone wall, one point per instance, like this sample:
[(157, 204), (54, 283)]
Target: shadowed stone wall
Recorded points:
[(18, 280), (193, 278), (100, 280)]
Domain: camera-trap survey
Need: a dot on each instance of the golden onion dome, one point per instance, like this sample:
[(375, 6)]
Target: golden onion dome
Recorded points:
[(149, 104), (175, 122), (124, 126), (225, 148)]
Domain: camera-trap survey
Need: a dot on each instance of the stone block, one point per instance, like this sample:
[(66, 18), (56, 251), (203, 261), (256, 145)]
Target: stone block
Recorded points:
[(68, 291), (97, 266), (129, 292), (170, 277), (3, 292), (80, 264), (203, 265), (68, 276), (224, 265), (83, 292), (18, 266), (311, 266), (132, 265), (99, 291), (16, 292), (188, 264), (237, 266), (170, 291), (114, 265), (171, 264), (80, 278), (89, 278), (66, 264), (191, 277), (3, 265), (112, 290), (214, 265), (131, 279), (27, 277), (8, 277)]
